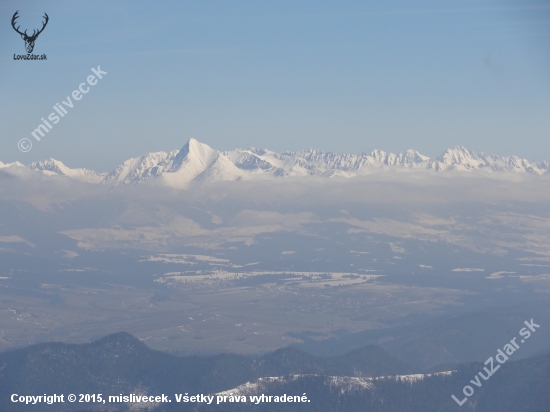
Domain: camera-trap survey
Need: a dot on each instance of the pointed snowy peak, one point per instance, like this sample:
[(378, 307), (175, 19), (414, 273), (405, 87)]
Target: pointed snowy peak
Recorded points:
[(199, 161), (56, 167), (195, 153), (457, 155), (178, 168), (250, 161), (415, 157)]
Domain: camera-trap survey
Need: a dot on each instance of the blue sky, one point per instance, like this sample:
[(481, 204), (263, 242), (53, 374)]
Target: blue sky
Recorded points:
[(345, 76)]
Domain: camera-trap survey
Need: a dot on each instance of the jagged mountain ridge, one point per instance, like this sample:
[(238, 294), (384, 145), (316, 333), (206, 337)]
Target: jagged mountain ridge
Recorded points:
[(52, 166), (195, 161), (315, 161), (198, 162), (120, 363), (367, 379)]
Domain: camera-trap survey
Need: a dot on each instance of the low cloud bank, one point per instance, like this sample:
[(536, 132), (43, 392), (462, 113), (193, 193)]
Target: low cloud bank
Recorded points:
[(384, 188)]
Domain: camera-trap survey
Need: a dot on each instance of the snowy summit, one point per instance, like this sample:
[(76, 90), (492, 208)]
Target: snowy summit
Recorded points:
[(197, 162)]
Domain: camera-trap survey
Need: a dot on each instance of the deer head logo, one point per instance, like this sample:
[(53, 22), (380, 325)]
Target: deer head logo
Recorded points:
[(29, 40)]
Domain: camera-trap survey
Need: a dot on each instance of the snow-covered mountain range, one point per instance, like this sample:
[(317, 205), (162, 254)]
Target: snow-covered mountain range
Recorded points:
[(55, 167), (198, 162)]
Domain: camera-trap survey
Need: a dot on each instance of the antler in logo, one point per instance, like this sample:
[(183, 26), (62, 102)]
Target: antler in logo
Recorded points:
[(29, 40)]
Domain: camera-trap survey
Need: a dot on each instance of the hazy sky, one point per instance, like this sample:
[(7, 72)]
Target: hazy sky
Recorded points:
[(344, 76)]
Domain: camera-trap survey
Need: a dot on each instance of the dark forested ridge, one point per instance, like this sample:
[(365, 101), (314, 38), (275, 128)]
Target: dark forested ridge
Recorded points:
[(121, 364)]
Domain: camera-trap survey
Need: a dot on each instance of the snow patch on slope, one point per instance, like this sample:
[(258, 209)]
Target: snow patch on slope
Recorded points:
[(343, 383)]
